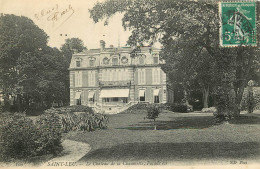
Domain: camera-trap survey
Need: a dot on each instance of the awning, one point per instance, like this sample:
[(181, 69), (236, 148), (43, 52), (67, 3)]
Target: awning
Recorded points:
[(91, 94), (108, 93), (156, 92), (77, 95), (141, 93)]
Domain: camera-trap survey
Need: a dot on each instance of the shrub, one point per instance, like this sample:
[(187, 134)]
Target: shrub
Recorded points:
[(209, 110), (181, 108), (49, 130), (256, 98), (70, 109), (83, 121), (143, 107), (22, 139), (79, 118), (17, 136), (153, 112)]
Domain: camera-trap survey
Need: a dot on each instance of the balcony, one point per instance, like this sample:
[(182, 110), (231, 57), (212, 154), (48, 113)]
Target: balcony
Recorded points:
[(114, 83)]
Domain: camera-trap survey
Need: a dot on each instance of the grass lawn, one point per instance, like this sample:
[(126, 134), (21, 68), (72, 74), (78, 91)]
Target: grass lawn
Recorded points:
[(180, 138)]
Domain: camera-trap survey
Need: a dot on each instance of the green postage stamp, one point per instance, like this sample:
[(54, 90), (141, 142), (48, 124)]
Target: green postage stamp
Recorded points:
[(238, 24)]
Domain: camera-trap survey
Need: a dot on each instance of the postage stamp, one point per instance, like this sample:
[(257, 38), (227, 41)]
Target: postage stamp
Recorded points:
[(238, 24)]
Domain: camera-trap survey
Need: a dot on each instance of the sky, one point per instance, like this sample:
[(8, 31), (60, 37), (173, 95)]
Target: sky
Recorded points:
[(62, 19)]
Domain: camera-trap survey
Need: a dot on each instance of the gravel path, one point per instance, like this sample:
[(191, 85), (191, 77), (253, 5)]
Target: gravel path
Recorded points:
[(73, 151)]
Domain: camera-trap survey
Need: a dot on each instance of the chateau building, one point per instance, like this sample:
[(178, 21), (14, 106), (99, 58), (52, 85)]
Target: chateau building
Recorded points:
[(110, 79)]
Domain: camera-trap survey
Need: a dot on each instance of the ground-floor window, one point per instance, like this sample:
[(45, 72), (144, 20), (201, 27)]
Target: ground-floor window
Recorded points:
[(91, 100), (116, 99), (156, 99), (142, 98), (78, 97), (142, 95), (78, 101)]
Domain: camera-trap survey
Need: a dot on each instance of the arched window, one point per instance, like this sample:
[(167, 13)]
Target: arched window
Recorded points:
[(141, 60), (105, 61), (92, 61), (155, 59), (77, 63)]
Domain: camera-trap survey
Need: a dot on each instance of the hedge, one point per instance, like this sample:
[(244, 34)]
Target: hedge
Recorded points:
[(22, 139)]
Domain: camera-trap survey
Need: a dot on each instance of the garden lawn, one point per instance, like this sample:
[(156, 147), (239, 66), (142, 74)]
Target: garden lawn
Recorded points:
[(190, 138)]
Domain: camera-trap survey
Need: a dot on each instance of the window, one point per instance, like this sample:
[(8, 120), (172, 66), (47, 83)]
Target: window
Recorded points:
[(125, 75), (122, 76), (105, 61), (142, 95), (91, 95), (156, 99), (156, 95), (115, 99), (115, 75), (141, 76), (156, 75), (104, 75), (78, 102), (124, 60), (155, 60), (114, 61), (78, 97), (78, 79), (141, 60), (77, 63), (91, 62), (91, 78)]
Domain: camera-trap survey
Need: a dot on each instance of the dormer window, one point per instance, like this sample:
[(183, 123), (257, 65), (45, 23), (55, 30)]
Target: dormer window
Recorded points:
[(141, 60), (114, 61), (92, 61), (105, 61), (155, 59), (77, 63)]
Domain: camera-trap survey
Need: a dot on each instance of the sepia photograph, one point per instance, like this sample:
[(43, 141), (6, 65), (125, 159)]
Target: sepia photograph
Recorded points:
[(130, 84)]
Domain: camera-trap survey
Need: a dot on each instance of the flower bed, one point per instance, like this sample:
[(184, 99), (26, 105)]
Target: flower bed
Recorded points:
[(79, 118)]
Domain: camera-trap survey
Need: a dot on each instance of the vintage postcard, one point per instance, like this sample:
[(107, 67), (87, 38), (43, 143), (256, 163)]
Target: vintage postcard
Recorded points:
[(129, 84)]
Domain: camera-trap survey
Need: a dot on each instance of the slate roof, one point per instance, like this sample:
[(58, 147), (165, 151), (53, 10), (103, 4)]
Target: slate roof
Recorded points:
[(121, 49)]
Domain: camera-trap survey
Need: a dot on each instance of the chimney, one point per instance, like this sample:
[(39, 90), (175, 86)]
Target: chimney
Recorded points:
[(102, 45)]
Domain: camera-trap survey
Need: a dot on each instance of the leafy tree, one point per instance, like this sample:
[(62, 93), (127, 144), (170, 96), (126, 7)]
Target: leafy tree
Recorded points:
[(191, 66), (71, 46), (194, 22), (19, 36), (33, 73), (153, 113)]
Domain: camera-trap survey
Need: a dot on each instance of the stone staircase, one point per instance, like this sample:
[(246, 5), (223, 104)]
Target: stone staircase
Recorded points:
[(112, 109)]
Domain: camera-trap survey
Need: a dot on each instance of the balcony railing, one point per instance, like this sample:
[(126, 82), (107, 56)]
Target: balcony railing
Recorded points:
[(115, 83)]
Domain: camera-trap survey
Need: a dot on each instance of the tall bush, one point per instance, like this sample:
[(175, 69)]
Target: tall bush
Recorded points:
[(49, 130), (17, 134), (21, 139)]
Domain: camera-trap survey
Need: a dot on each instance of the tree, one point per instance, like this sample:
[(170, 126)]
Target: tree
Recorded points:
[(153, 113), (19, 36), (191, 66), (34, 74), (192, 22), (71, 46)]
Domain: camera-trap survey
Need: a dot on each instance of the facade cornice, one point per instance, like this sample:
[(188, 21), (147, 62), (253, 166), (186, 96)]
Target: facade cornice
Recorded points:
[(118, 66)]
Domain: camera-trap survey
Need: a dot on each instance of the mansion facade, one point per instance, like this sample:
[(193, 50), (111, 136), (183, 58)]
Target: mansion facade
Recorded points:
[(110, 79)]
